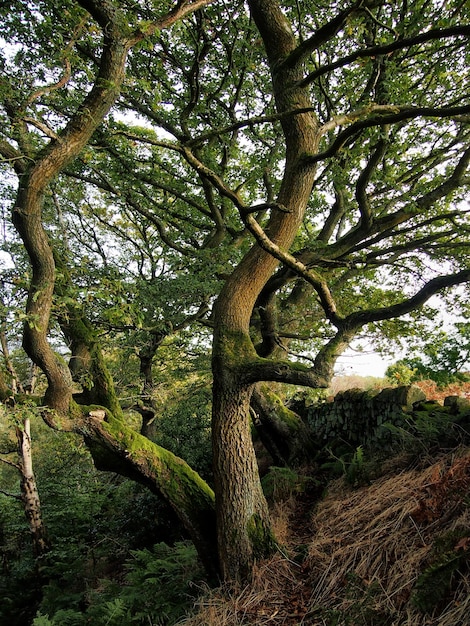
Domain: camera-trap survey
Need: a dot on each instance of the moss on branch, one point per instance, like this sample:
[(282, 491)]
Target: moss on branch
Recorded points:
[(117, 447), (236, 353)]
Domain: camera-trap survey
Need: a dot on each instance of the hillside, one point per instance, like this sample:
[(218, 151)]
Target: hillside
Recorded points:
[(388, 545), (394, 552)]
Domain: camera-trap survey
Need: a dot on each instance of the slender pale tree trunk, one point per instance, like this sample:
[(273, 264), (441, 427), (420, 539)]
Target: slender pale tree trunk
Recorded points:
[(29, 491)]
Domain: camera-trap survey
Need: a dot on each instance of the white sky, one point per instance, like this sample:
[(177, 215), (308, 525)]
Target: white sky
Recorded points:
[(366, 363)]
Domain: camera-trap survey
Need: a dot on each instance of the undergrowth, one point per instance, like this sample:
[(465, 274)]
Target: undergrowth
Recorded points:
[(160, 586)]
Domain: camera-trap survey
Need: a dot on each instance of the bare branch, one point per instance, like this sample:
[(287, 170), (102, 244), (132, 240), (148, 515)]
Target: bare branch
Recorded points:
[(414, 243), (250, 123), (459, 114), (61, 83), (16, 496), (145, 139), (67, 67), (364, 112), (9, 463), (362, 182), (320, 36), (218, 183), (432, 287)]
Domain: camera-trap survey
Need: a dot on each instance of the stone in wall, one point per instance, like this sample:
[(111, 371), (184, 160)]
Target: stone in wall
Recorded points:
[(361, 417)]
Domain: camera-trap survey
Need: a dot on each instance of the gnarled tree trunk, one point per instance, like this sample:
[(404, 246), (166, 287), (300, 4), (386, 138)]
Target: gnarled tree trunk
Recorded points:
[(111, 442), (242, 515)]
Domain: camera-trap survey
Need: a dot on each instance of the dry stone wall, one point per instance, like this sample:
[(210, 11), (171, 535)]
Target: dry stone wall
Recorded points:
[(368, 418)]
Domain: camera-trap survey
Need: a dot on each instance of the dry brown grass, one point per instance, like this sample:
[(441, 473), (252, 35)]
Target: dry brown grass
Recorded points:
[(368, 547), (379, 535), (275, 597), (281, 516)]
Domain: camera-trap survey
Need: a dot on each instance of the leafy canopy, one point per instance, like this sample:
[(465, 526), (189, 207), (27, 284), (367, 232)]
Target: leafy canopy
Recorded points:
[(147, 220)]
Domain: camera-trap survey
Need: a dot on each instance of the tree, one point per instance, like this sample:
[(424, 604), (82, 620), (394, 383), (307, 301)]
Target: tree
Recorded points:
[(444, 360), (24, 465), (304, 163), (29, 491)]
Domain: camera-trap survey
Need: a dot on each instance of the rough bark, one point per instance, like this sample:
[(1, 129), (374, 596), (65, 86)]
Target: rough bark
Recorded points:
[(241, 506), (243, 531), (87, 361), (146, 404), (4, 389), (27, 212)]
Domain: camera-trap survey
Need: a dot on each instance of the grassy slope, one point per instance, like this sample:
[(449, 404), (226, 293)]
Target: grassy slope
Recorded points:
[(390, 553), (396, 552)]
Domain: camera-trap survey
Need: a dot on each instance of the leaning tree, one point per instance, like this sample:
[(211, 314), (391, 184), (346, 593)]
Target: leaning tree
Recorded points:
[(281, 176)]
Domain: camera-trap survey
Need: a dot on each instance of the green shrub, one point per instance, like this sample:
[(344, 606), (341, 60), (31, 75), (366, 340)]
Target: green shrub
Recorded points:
[(352, 463), (450, 560), (185, 430), (429, 425), (282, 482), (159, 587)]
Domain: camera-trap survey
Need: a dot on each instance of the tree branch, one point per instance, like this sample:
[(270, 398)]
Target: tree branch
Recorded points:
[(432, 287), (181, 10), (282, 372), (374, 51), (9, 463), (67, 67), (313, 278), (321, 36), (413, 244), (27, 213), (14, 156), (218, 183), (16, 496), (362, 182), (44, 128), (402, 114), (364, 112)]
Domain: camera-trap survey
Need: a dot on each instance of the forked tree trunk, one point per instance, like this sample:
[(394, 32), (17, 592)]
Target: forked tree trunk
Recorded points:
[(242, 515)]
